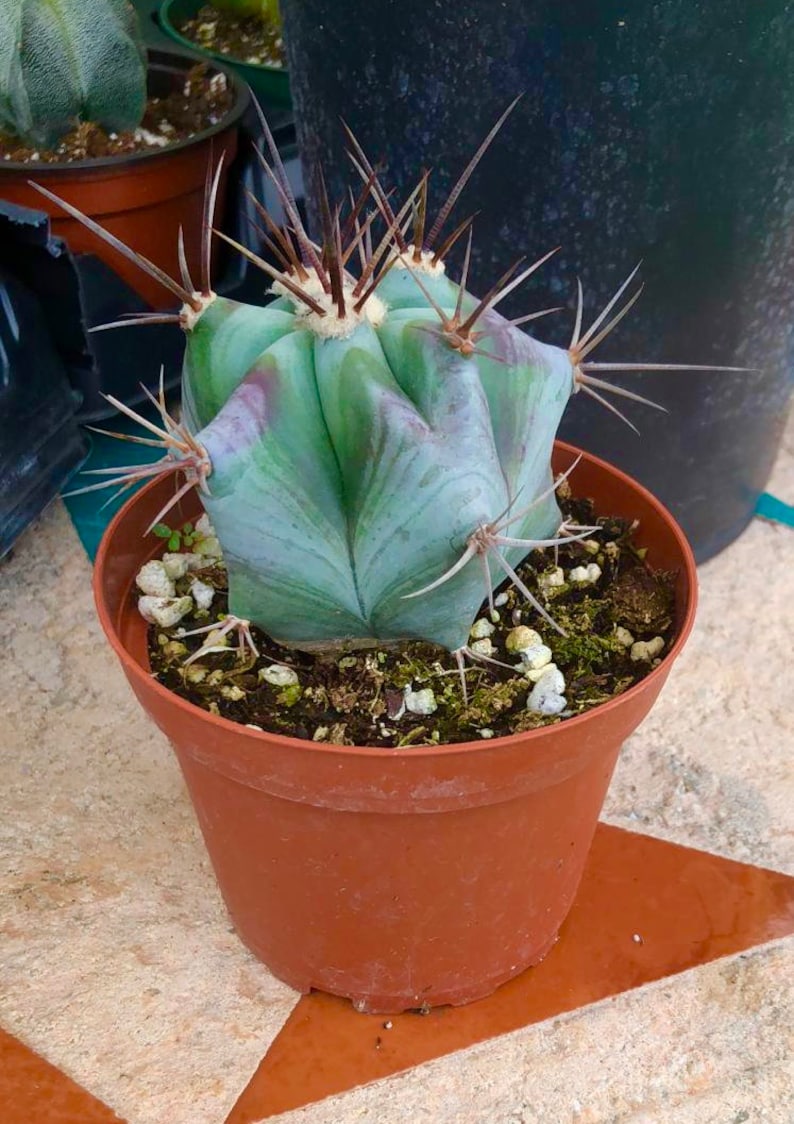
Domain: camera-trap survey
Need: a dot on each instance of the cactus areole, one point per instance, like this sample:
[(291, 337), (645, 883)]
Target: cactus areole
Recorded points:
[(67, 61), (373, 447)]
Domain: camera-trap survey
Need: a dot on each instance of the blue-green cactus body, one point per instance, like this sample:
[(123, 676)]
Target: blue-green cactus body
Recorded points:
[(67, 61), (223, 345), (348, 473)]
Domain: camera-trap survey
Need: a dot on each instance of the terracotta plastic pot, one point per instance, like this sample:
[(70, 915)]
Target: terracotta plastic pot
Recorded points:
[(141, 199), (396, 877)]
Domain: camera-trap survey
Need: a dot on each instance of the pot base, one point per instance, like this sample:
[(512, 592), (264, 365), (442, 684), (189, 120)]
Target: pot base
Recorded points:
[(372, 1003)]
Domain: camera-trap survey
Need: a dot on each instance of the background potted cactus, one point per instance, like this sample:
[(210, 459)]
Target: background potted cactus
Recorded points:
[(57, 128), (244, 34), (375, 452), (74, 79)]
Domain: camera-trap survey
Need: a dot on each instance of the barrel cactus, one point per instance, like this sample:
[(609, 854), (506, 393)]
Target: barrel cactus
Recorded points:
[(373, 448), (63, 62)]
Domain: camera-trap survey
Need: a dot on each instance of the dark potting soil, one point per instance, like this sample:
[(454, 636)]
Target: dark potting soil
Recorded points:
[(358, 697), (248, 39), (203, 100)]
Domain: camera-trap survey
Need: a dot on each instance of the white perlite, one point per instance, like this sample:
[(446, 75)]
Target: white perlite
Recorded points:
[(481, 629), (522, 638), (623, 636), (153, 579), (536, 673), (202, 593), (148, 137), (279, 675), (176, 565), (420, 702), (207, 545), (552, 580), (209, 550), (586, 574), (546, 697), (482, 647), (165, 611), (646, 650), (536, 657)]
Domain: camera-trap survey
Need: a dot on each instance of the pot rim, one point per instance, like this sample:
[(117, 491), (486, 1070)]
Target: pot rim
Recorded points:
[(227, 726), (157, 61), (164, 13)]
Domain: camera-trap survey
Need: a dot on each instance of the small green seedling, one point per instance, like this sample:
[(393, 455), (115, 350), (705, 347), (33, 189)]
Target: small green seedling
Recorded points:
[(177, 537)]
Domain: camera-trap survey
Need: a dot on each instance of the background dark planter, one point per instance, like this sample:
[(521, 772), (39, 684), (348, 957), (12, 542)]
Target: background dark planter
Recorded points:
[(661, 130), (40, 442)]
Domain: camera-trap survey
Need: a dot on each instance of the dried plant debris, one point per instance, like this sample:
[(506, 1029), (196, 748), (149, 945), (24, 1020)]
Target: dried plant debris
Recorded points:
[(250, 39), (615, 610), (203, 100)]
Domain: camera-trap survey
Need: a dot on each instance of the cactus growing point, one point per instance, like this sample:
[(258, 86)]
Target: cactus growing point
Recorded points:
[(63, 62), (373, 447)]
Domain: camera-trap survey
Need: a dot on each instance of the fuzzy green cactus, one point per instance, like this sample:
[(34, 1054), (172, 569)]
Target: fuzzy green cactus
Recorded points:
[(373, 448), (67, 61)]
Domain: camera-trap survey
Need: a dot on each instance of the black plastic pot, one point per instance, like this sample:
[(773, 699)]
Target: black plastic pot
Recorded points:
[(40, 442), (660, 130), (52, 370)]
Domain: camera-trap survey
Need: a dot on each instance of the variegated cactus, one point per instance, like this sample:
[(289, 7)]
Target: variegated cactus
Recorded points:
[(67, 61), (354, 457), (373, 447)]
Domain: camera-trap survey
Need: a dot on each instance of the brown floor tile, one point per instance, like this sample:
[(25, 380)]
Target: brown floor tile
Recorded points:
[(34, 1092), (646, 909)]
